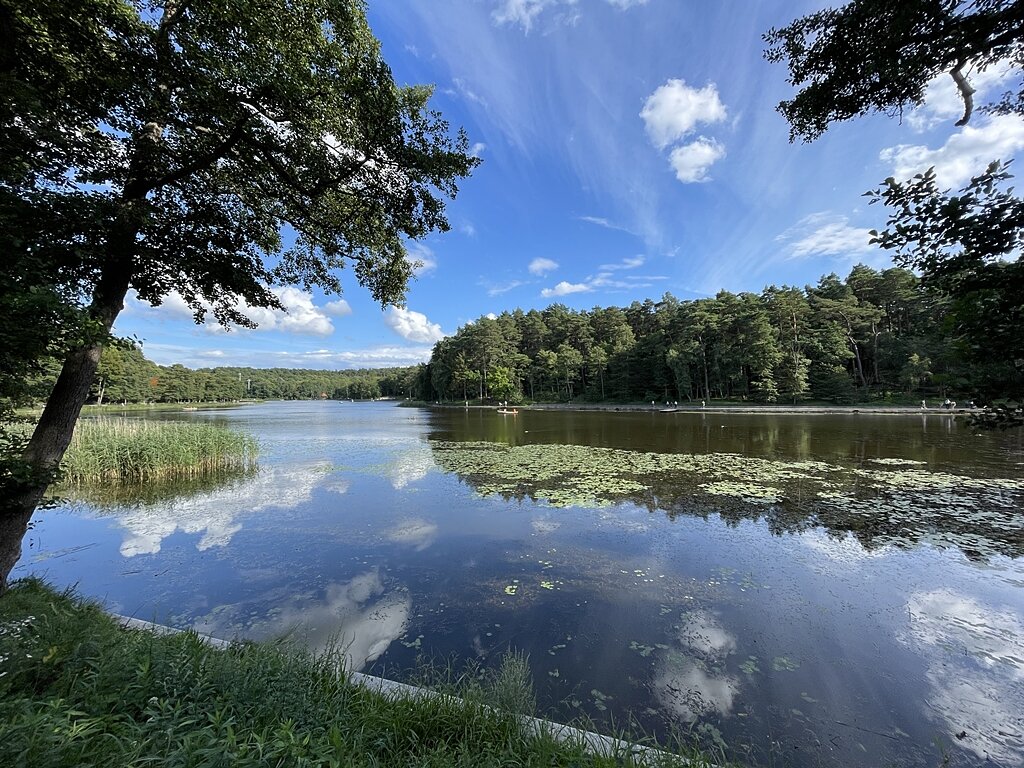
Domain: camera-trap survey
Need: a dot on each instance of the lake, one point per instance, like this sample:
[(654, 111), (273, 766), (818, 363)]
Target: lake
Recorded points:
[(803, 590)]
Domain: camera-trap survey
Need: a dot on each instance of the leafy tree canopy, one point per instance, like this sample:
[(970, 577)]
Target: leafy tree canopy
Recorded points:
[(167, 146), (878, 56), (963, 243), (203, 129)]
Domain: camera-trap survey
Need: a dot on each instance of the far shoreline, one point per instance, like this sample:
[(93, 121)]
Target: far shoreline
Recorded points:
[(775, 410)]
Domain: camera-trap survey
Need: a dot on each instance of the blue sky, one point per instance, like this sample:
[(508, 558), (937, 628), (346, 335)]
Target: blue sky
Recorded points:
[(630, 148)]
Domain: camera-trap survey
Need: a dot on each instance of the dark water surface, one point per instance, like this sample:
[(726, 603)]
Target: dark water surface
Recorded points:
[(809, 590)]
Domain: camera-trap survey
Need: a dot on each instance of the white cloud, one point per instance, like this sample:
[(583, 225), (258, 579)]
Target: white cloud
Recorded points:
[(564, 289), (491, 316), (420, 257), (675, 109), (625, 5), (942, 100), (300, 316), (630, 262), (477, 149), (339, 308), (413, 326), (826, 234), (468, 229), (541, 266), (691, 161), (965, 154)]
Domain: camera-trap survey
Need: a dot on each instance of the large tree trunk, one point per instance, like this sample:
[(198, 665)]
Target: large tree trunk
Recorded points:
[(52, 434)]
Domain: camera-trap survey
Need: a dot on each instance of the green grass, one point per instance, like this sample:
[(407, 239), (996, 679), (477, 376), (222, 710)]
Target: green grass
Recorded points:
[(78, 690), (134, 450)]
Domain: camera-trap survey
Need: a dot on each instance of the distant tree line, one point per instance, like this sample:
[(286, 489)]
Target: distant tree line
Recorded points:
[(874, 334), (126, 376)]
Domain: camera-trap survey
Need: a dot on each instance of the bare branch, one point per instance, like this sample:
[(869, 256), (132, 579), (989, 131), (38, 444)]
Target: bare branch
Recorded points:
[(966, 93)]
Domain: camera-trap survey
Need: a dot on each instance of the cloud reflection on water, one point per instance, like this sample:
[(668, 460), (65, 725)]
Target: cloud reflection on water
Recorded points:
[(410, 465), (975, 669), (360, 617), (216, 514), (414, 532), (689, 682)]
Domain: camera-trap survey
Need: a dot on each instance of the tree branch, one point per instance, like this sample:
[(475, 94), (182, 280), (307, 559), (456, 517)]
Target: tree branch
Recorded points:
[(966, 92), (204, 161)]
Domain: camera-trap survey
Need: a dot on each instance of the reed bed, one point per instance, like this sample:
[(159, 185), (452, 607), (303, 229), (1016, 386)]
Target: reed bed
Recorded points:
[(134, 451)]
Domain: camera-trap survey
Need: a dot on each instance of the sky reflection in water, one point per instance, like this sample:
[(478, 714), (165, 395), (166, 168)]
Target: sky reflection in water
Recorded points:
[(798, 635)]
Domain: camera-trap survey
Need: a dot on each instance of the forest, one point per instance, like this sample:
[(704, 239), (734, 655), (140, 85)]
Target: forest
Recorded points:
[(126, 376), (876, 334)]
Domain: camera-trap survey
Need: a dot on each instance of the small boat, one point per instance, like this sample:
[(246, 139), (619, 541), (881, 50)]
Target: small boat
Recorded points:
[(507, 411)]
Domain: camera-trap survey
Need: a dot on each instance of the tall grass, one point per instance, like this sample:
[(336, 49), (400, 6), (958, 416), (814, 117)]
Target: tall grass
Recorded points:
[(77, 690), (134, 450)]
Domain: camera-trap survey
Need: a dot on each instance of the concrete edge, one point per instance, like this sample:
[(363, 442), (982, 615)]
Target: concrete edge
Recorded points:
[(595, 743)]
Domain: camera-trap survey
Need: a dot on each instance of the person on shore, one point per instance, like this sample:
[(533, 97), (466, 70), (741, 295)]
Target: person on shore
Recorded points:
[(703, 404), (924, 406)]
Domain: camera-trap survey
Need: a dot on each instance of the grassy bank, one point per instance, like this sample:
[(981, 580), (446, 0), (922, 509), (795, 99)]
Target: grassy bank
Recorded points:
[(76, 689), (132, 451)]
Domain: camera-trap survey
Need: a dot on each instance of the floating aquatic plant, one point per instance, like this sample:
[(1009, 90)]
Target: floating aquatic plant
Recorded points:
[(899, 503)]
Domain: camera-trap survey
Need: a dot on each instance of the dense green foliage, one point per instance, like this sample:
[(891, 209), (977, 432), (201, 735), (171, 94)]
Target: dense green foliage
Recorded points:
[(134, 451), (215, 150), (75, 689), (126, 376), (872, 335), (878, 56), (962, 244)]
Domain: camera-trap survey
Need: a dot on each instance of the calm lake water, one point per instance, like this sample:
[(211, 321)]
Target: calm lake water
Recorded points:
[(809, 590)]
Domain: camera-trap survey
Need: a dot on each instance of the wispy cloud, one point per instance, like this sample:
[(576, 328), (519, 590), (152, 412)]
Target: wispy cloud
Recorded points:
[(525, 13), (497, 290), (600, 221), (421, 257), (541, 266), (605, 280), (826, 234), (630, 262)]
